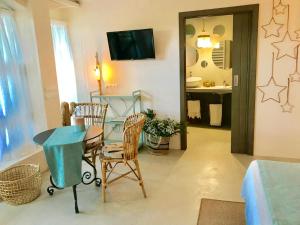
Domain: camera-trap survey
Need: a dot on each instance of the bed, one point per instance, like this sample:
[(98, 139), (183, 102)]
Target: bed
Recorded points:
[(271, 191)]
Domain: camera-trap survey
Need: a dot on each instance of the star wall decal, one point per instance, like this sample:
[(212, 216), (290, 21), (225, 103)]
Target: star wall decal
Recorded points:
[(295, 77), (286, 47), (271, 91), (280, 8), (272, 28), (297, 32), (287, 107)]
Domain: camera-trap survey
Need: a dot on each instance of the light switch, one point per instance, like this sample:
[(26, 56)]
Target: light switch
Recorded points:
[(235, 80)]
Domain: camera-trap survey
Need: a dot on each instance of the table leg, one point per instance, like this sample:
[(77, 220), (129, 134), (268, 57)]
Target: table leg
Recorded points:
[(75, 198), (88, 175), (51, 188)]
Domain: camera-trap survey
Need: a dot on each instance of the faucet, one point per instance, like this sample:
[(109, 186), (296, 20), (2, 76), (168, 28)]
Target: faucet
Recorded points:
[(224, 83), (191, 73)]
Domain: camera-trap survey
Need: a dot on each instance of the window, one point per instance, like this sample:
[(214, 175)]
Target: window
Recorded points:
[(15, 117), (64, 63)]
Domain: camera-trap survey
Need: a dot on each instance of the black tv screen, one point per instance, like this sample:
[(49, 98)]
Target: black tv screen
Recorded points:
[(132, 44)]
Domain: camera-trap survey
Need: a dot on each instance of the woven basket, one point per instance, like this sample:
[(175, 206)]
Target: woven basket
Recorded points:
[(20, 184), (157, 145)]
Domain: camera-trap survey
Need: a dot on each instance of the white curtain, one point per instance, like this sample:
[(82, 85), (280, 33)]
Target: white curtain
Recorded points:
[(64, 63), (15, 116)]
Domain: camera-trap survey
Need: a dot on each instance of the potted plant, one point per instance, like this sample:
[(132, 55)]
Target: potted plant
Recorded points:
[(158, 132)]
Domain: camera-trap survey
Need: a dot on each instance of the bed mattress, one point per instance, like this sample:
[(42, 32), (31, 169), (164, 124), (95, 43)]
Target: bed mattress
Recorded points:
[(272, 193)]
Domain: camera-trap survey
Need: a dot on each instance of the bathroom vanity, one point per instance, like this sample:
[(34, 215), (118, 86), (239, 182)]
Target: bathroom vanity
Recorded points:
[(221, 90), (207, 96)]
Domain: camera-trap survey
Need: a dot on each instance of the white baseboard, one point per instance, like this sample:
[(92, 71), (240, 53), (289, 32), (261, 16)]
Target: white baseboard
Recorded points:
[(37, 158)]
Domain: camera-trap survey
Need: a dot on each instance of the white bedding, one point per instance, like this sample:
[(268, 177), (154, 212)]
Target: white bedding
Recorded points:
[(253, 193)]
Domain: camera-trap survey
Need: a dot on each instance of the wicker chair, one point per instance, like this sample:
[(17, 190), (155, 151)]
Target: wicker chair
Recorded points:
[(93, 114), (123, 153), (65, 114)]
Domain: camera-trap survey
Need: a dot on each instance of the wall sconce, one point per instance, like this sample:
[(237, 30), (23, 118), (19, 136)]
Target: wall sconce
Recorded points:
[(98, 74)]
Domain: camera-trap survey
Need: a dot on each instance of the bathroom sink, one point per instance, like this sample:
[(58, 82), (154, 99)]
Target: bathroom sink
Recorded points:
[(192, 82), (216, 89)]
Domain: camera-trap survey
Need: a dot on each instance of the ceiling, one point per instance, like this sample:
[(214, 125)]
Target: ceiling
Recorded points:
[(53, 4), (56, 4)]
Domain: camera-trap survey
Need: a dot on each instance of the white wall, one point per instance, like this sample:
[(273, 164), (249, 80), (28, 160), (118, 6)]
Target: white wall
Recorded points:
[(211, 72), (276, 133), (43, 40)]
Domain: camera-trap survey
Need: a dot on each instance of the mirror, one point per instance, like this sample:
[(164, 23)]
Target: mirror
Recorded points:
[(219, 30), (204, 64), (191, 56), (222, 56), (190, 30)]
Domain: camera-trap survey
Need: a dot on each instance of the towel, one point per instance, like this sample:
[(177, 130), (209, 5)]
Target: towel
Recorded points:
[(215, 112), (63, 150), (194, 109)]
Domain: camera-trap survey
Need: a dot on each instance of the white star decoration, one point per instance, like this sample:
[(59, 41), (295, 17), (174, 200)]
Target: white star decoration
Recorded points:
[(286, 47), (272, 28), (280, 8), (287, 107), (271, 91), (298, 33), (295, 77)]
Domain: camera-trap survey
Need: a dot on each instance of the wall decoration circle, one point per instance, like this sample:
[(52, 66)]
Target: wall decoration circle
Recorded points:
[(190, 30), (219, 30), (191, 56), (222, 56), (204, 64)]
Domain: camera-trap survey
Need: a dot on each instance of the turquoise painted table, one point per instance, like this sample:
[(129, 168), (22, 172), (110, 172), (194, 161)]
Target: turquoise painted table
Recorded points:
[(64, 148)]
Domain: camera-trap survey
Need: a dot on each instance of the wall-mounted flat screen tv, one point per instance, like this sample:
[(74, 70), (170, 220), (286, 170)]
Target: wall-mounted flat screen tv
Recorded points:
[(132, 44)]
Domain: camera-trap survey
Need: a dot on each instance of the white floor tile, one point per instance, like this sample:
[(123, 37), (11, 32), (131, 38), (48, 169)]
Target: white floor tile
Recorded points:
[(175, 183)]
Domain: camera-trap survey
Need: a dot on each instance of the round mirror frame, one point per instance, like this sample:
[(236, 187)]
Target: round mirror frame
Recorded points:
[(219, 30), (190, 30), (191, 56), (204, 63)]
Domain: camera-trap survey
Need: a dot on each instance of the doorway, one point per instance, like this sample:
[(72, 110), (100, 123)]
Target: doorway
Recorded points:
[(244, 50)]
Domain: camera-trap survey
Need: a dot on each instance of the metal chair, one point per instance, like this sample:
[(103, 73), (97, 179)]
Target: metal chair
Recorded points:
[(123, 153)]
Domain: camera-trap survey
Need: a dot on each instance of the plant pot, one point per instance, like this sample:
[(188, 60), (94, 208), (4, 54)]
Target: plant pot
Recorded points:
[(157, 145)]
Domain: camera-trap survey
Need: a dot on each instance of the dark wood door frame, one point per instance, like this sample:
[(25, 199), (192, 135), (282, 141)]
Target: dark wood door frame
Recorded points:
[(183, 16)]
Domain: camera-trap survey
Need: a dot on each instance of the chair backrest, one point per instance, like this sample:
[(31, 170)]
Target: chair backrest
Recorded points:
[(93, 113), (133, 127)]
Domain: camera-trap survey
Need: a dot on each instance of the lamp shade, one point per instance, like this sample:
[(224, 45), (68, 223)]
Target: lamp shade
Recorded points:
[(98, 72), (204, 41)]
